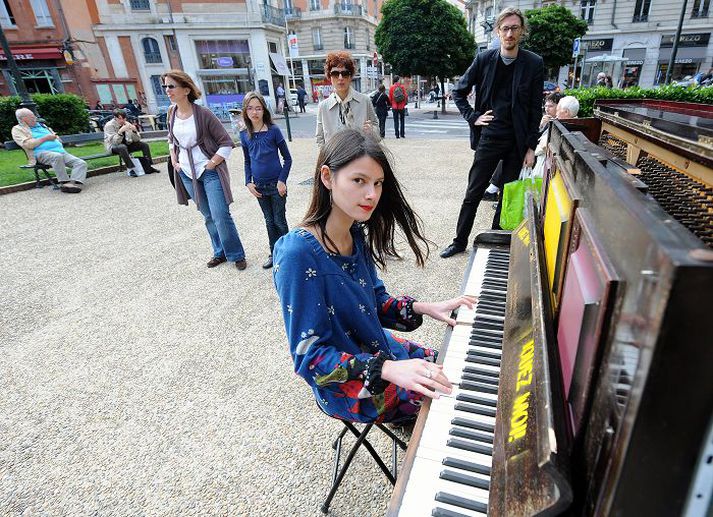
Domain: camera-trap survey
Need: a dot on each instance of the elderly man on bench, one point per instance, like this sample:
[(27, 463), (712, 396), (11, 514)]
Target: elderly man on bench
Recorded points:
[(41, 144), (122, 137)]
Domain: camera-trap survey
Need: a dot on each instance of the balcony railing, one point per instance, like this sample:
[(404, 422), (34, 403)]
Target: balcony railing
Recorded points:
[(140, 5), (640, 18), (152, 57), (703, 13), (273, 15), (292, 13), (348, 9), (315, 6)]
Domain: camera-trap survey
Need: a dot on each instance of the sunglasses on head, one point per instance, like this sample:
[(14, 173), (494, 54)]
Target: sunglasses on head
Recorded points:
[(337, 73)]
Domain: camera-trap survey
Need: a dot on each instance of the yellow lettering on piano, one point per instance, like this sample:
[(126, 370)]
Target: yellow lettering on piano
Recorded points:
[(523, 234), (524, 374), (518, 421)]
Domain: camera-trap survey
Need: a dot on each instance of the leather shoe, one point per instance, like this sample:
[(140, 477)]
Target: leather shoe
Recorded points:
[(268, 263), (451, 249), (241, 264), (154, 169), (490, 196), (216, 261)]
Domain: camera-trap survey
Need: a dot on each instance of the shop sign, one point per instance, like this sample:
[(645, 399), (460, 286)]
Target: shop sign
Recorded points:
[(699, 39), (635, 62), (18, 57), (595, 45), (224, 62)]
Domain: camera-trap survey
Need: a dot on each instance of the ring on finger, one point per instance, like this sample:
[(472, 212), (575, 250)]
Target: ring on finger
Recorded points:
[(429, 374)]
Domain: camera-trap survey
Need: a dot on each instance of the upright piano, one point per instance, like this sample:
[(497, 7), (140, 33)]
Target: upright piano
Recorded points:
[(583, 377)]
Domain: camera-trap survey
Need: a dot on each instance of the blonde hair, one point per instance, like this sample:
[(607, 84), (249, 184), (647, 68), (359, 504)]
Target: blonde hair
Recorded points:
[(185, 81), (266, 117)]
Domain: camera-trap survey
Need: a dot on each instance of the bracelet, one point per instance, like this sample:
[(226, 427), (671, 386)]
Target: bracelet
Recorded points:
[(372, 375)]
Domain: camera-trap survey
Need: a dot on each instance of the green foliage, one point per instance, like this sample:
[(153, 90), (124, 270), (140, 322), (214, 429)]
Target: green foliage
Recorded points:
[(587, 96), (553, 29), (426, 37), (65, 113)]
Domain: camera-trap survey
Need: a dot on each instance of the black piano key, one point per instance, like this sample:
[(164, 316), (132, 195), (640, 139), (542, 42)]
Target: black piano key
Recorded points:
[(473, 424), (481, 371), (471, 435), (444, 512), (461, 502), (465, 445), (495, 345), (496, 283), (479, 378), (494, 298), (481, 360), (474, 399), (482, 353), (464, 479), (478, 386), (466, 465), (476, 410), (482, 324)]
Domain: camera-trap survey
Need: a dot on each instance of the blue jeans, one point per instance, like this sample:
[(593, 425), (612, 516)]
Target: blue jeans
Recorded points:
[(218, 221), (273, 208)]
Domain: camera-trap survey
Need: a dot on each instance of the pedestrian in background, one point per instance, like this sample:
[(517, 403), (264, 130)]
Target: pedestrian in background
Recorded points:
[(345, 107), (398, 99), (199, 147), (301, 96), (501, 127), (265, 176), (381, 105), (121, 137)]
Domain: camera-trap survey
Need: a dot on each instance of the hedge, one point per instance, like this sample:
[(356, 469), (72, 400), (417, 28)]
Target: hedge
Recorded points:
[(65, 113), (587, 96)]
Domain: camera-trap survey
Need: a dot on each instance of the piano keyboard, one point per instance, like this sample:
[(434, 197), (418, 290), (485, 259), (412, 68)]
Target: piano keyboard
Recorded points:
[(450, 476)]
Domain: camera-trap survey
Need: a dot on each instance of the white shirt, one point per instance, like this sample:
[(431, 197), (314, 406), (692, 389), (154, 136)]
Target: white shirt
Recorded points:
[(185, 133)]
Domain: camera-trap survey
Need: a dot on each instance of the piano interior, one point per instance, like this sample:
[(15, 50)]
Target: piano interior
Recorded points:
[(583, 381)]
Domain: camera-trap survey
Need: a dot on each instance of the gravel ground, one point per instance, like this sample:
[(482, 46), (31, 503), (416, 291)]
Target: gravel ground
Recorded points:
[(135, 381)]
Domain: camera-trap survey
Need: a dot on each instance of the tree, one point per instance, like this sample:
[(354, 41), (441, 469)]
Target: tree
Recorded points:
[(553, 29), (424, 37)]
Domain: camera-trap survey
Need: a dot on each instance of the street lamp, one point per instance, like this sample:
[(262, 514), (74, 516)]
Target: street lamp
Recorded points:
[(26, 100)]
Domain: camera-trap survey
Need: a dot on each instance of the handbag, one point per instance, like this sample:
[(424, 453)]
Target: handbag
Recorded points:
[(138, 167), (513, 209)]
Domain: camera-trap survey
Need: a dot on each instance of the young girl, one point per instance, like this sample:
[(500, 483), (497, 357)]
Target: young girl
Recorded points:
[(265, 177), (334, 305)]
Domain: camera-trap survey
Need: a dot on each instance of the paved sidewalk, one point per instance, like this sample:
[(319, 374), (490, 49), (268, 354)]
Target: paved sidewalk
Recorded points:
[(137, 382)]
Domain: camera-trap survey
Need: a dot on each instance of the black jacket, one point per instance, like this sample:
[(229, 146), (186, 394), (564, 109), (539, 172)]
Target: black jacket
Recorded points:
[(381, 104), (527, 80)]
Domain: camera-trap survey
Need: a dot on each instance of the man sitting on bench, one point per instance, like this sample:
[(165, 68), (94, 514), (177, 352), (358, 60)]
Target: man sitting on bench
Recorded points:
[(122, 137), (41, 144)]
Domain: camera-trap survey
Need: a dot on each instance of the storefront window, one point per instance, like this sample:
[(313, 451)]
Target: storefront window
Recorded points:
[(224, 92), (679, 72), (218, 54)]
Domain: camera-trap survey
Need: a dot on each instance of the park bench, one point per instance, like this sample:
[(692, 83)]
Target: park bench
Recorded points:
[(79, 138)]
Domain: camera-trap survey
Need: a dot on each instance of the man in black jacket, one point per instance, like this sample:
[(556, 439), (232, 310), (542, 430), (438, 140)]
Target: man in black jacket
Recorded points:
[(504, 121)]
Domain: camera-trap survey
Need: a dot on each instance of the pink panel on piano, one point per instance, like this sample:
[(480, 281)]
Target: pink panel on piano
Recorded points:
[(587, 299)]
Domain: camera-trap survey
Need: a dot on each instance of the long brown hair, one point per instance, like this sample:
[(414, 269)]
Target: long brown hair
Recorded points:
[(266, 116), (391, 211), (184, 81)]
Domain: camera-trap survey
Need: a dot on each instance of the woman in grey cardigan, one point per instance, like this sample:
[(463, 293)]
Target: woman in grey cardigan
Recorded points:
[(200, 146)]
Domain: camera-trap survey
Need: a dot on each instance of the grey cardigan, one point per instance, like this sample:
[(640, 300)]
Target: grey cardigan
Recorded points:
[(210, 136)]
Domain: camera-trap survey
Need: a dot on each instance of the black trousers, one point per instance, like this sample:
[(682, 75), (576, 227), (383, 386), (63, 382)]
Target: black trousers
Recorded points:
[(399, 118), (382, 124), (123, 150), (302, 105), (487, 156)]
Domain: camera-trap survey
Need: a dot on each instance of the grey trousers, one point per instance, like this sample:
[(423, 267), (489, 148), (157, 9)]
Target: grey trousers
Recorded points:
[(60, 162)]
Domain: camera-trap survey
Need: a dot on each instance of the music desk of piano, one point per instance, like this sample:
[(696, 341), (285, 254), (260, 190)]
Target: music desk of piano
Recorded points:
[(588, 388)]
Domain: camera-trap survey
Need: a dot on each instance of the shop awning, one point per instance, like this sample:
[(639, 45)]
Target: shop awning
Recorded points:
[(31, 53)]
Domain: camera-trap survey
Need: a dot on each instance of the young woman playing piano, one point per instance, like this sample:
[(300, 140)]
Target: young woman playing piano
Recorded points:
[(334, 305)]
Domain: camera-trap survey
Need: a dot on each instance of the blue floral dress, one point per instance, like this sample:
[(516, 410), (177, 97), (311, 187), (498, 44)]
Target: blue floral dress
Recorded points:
[(335, 309)]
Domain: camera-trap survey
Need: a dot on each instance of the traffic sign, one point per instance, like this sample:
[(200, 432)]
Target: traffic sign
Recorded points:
[(575, 46)]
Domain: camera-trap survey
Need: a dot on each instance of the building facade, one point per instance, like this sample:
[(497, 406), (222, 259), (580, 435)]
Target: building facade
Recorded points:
[(631, 40), (228, 47), (322, 26), (40, 42)]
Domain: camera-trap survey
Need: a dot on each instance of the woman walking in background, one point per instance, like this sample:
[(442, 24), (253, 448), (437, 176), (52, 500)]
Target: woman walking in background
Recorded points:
[(200, 146), (381, 106), (265, 176)]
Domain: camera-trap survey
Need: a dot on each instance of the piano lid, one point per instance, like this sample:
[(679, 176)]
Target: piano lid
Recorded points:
[(681, 127)]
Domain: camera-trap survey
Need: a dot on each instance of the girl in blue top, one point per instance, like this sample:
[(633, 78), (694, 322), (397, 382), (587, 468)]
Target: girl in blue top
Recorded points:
[(334, 305), (265, 176)]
